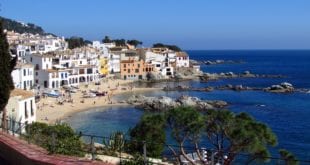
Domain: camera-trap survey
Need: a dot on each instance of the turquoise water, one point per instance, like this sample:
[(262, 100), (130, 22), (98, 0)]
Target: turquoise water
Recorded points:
[(287, 114)]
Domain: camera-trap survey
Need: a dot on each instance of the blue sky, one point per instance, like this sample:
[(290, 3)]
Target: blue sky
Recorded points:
[(191, 24)]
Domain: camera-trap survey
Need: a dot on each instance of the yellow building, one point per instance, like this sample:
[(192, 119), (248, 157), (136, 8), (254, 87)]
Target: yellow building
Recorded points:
[(104, 68)]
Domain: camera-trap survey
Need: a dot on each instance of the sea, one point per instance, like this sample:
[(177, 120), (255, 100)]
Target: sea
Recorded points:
[(288, 114)]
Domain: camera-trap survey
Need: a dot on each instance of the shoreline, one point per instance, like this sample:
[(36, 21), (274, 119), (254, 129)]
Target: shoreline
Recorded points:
[(48, 111)]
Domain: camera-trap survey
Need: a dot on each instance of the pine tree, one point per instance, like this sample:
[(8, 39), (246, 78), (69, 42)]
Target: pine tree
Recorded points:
[(7, 64)]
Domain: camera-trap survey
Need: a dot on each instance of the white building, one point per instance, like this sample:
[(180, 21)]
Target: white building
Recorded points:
[(162, 60), (70, 67), (104, 48), (21, 107), (35, 43), (21, 51), (114, 63), (182, 60), (23, 76)]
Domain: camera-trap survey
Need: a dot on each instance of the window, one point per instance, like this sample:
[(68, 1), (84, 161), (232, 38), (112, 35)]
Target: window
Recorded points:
[(31, 108), (46, 66), (124, 65), (80, 62), (81, 71), (138, 65), (24, 72), (36, 73), (89, 71), (124, 70), (26, 112), (128, 71), (37, 67), (28, 72), (30, 59), (137, 70)]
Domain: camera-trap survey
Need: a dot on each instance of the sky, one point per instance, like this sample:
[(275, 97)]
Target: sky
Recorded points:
[(190, 24)]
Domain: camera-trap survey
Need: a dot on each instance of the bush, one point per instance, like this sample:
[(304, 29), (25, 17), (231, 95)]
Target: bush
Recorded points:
[(59, 138)]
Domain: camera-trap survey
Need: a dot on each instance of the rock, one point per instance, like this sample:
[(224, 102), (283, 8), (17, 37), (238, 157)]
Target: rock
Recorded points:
[(219, 61), (208, 62), (164, 103), (229, 74), (98, 145), (246, 72), (217, 103), (187, 101), (286, 85), (229, 86), (238, 87), (282, 88), (276, 87)]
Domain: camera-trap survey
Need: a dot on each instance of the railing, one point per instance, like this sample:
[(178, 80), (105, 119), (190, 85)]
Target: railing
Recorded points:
[(94, 146)]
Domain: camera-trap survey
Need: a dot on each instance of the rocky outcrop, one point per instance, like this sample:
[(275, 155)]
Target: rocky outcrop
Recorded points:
[(187, 88), (245, 74), (281, 88), (235, 88), (216, 62), (164, 103)]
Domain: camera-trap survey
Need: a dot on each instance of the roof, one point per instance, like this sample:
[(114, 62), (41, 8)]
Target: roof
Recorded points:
[(19, 92), (181, 54), (127, 61), (23, 65), (51, 70), (43, 55)]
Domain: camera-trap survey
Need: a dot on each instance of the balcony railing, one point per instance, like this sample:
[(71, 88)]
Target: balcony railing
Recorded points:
[(95, 145)]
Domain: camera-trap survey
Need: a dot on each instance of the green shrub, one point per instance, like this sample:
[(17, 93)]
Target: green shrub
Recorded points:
[(58, 138)]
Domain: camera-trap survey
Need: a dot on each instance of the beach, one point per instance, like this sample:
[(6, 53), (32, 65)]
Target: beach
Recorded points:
[(50, 111)]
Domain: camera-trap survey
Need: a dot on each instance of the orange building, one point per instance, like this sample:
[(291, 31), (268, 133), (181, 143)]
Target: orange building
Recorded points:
[(135, 69)]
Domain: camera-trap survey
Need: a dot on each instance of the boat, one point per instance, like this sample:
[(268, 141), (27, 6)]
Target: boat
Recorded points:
[(75, 86), (51, 93), (93, 91), (101, 93), (89, 95)]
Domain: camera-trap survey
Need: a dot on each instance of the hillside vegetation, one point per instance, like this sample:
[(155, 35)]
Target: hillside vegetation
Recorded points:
[(20, 27)]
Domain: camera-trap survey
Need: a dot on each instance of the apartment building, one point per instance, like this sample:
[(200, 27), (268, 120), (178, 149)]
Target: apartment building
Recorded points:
[(21, 107), (23, 76)]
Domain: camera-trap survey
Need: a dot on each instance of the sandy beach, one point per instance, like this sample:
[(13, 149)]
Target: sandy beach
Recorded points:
[(49, 110)]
